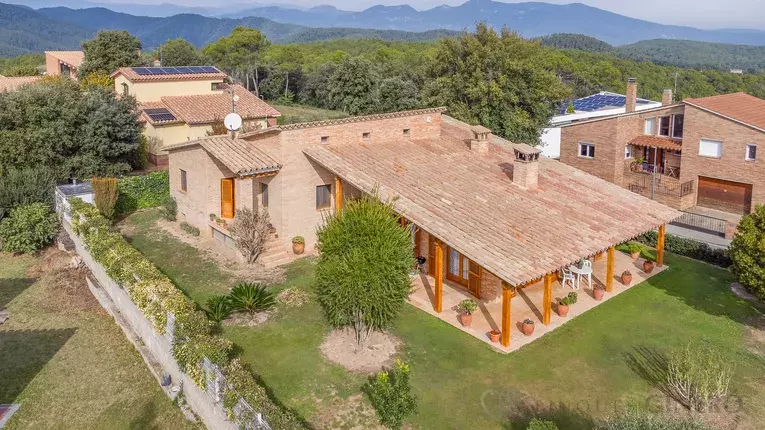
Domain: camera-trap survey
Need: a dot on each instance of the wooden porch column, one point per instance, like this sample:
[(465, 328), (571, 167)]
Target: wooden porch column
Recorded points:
[(338, 194), (506, 308), (438, 275), (610, 270), (660, 245), (547, 300)]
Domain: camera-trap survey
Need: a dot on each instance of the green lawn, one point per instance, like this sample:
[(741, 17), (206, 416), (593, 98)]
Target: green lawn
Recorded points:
[(297, 113), (65, 360), (601, 360)]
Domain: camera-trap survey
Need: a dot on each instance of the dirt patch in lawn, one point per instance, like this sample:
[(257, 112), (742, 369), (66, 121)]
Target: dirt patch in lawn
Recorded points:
[(340, 347), (71, 293), (247, 319), (351, 413)]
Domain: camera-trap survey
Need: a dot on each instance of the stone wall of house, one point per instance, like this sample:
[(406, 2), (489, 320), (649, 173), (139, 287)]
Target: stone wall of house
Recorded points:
[(732, 165)]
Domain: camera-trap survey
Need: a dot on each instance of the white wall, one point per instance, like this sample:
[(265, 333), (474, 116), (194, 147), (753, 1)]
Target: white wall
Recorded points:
[(551, 142)]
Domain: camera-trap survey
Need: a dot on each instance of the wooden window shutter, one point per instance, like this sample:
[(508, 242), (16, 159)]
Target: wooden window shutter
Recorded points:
[(227, 198)]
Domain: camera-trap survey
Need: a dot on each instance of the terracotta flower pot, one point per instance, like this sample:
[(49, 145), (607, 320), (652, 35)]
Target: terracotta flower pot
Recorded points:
[(298, 248), (466, 319), (626, 278), (527, 329), (598, 293), (648, 266), (635, 255), (562, 310), (494, 335)]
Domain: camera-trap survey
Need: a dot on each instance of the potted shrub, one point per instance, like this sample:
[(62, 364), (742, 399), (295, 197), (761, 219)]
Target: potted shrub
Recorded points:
[(212, 217), (494, 335), (565, 303), (298, 245), (626, 277), (598, 292), (467, 306), (634, 250), (648, 266), (527, 327)]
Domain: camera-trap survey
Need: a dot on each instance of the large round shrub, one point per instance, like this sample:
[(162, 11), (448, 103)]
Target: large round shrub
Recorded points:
[(747, 252), (29, 228)]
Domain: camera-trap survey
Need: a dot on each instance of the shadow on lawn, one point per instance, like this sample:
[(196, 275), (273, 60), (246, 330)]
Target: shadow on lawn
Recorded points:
[(23, 353), (516, 410), (10, 288), (650, 364)]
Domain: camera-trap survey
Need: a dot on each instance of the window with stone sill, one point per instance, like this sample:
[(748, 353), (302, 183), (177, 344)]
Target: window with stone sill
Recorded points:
[(751, 152), (586, 150)]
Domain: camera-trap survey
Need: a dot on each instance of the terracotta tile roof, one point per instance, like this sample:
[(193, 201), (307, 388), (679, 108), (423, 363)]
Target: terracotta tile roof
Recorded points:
[(658, 142), (72, 58), (741, 107), (132, 76), (353, 119), (208, 108), (155, 105), (468, 200), (14, 83), (240, 156)]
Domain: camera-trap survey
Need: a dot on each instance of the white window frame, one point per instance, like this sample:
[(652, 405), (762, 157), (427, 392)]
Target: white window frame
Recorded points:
[(669, 129), (652, 129), (708, 154), (588, 145), (746, 155), (627, 151)]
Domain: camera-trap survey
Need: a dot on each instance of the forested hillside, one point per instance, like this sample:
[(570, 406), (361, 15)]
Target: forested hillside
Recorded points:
[(23, 30), (575, 41), (698, 55)]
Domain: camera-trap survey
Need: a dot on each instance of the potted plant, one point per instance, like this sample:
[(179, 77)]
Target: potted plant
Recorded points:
[(634, 250), (527, 327), (626, 277), (298, 245), (566, 302), (212, 217), (648, 266), (494, 335), (598, 292), (467, 306)]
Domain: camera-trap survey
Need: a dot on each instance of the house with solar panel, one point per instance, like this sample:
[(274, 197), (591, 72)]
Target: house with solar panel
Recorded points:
[(598, 105), (180, 104)]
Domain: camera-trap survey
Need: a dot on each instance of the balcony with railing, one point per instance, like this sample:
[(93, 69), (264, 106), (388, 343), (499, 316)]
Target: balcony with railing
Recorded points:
[(662, 184)]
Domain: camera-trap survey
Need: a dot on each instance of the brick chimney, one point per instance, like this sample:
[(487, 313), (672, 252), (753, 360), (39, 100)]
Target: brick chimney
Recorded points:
[(631, 95), (480, 141), (666, 97), (526, 166)]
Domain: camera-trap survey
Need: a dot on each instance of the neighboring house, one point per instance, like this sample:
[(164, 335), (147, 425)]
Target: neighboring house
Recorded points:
[(597, 105), (184, 103), (704, 152), (63, 63), (14, 83), (486, 214)]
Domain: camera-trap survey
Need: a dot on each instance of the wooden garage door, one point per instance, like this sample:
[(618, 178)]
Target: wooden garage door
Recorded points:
[(726, 196)]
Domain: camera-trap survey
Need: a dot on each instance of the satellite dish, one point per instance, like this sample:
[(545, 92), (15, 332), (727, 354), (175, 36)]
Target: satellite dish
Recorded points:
[(233, 121), (236, 98)]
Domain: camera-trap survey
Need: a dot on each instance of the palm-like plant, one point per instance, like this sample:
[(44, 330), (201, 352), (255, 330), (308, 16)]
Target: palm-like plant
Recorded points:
[(251, 297), (218, 308)]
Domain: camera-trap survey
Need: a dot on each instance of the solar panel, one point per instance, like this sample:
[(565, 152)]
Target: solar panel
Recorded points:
[(209, 69), (185, 70), (146, 71), (160, 114)]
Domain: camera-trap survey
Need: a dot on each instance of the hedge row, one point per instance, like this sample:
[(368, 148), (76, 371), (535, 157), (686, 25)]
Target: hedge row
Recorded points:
[(143, 191), (156, 296), (689, 248)]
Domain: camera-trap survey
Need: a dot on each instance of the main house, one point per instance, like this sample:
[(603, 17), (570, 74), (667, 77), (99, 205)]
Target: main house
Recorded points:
[(179, 104), (488, 216), (64, 63), (703, 151)]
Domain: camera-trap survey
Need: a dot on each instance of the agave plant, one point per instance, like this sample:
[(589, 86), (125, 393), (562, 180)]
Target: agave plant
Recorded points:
[(218, 308), (251, 297)]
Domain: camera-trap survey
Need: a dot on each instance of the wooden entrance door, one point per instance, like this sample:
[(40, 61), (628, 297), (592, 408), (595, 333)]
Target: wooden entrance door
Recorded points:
[(474, 278), (227, 204), (463, 271), (727, 196)]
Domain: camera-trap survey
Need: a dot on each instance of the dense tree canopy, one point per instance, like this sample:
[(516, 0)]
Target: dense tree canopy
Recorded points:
[(239, 54), (55, 125), (110, 50), (23, 65), (179, 52)]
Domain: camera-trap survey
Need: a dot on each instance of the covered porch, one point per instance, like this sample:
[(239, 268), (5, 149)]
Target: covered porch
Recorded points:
[(529, 301)]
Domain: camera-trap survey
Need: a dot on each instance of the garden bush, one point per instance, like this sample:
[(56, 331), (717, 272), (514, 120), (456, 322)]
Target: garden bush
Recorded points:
[(169, 208), (28, 228), (251, 297), (190, 229), (218, 308), (698, 376), (391, 395), (747, 252), (21, 187), (539, 424), (639, 420), (105, 195), (142, 191), (689, 248), (250, 230)]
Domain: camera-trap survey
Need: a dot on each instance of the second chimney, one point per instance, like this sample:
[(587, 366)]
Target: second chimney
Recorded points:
[(480, 140), (666, 97), (526, 166), (631, 101)]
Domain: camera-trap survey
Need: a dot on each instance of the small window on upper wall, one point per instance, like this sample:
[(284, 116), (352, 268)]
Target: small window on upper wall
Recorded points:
[(366, 136), (677, 126), (325, 139), (628, 151), (587, 150), (183, 180), (407, 132), (323, 196), (214, 86), (664, 126), (650, 126), (751, 152), (125, 89)]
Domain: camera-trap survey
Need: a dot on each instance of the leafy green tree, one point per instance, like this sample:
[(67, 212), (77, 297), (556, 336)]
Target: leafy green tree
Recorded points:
[(28, 228), (284, 58), (96, 79), (396, 94), (23, 65), (497, 80), (21, 187), (391, 395), (747, 252), (55, 125), (362, 276), (179, 52), (239, 54), (110, 50), (317, 86), (354, 86)]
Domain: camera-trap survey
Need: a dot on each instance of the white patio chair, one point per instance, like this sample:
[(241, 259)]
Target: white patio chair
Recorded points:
[(568, 276), (586, 264)]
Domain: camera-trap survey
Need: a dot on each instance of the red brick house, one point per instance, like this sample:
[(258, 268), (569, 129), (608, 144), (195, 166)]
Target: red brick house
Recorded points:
[(704, 151)]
